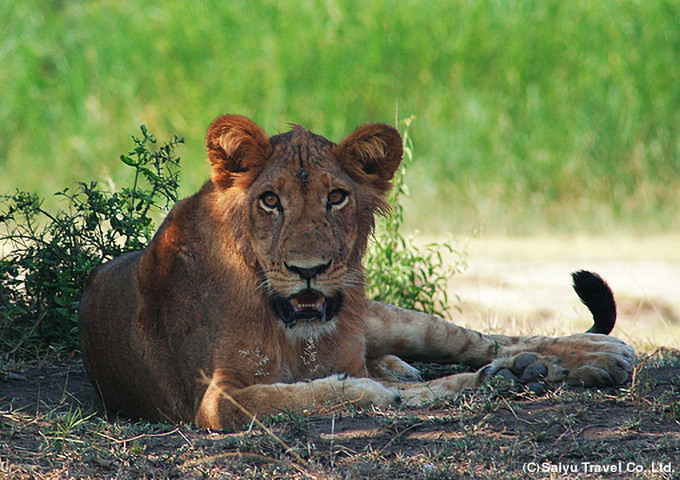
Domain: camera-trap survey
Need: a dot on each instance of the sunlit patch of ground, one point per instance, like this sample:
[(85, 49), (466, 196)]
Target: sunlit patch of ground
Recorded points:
[(523, 285)]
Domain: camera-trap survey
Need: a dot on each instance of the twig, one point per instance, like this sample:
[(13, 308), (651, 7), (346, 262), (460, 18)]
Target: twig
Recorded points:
[(397, 436), (144, 435), (515, 414)]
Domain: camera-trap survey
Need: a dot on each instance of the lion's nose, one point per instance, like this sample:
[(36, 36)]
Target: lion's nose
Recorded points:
[(307, 273)]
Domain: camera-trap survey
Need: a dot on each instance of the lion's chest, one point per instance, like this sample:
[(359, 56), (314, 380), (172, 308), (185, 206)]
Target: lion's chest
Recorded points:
[(308, 360)]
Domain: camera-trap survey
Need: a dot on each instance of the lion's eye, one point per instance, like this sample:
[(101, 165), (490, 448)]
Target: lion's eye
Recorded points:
[(337, 198), (270, 200)]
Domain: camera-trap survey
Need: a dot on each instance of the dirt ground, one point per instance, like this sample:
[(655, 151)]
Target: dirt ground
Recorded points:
[(53, 426)]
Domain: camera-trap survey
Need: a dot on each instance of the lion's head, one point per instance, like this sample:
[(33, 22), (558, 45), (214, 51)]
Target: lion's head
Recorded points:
[(307, 207)]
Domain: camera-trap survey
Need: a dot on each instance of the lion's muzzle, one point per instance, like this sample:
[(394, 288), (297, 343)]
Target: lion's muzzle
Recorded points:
[(307, 306)]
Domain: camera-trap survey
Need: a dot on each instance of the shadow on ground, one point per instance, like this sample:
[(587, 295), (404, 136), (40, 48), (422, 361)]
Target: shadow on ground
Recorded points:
[(53, 426)]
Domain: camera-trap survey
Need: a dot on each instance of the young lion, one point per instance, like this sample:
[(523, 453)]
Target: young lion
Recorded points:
[(251, 296)]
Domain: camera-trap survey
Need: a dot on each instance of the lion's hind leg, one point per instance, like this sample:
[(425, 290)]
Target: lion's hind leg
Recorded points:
[(416, 336)]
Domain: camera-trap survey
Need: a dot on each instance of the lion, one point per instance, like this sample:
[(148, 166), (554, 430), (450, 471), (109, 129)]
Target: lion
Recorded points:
[(250, 298)]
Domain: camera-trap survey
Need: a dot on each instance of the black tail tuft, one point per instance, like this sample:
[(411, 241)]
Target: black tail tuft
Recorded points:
[(598, 297)]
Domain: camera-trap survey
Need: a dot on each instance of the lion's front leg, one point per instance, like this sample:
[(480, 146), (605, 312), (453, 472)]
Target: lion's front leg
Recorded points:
[(224, 407)]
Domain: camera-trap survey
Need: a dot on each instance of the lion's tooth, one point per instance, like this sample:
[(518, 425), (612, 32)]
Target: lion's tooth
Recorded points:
[(308, 303)]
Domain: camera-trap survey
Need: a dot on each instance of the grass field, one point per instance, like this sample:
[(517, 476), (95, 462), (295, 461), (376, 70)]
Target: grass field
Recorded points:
[(532, 116)]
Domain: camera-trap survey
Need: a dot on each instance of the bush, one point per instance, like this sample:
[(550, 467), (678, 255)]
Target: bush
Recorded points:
[(397, 271), (50, 256)]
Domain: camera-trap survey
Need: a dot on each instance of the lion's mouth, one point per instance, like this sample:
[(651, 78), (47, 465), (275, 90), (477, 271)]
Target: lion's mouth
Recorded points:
[(308, 306)]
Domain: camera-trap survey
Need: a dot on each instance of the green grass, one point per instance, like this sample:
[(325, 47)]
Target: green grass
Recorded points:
[(531, 115)]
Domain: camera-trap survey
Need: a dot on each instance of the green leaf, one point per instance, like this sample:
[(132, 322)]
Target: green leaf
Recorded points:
[(151, 174), (128, 161)]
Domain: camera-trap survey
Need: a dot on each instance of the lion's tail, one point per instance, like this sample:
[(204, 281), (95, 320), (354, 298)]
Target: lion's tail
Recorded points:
[(598, 297)]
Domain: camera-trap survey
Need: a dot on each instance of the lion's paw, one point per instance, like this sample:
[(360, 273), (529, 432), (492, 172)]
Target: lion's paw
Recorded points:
[(391, 369), (611, 367), (363, 392), (593, 360)]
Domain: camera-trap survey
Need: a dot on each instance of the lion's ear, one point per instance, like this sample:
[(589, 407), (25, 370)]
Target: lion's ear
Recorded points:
[(235, 145), (371, 154)]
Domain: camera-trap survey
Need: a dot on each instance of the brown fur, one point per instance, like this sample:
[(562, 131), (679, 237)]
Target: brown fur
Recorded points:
[(255, 284)]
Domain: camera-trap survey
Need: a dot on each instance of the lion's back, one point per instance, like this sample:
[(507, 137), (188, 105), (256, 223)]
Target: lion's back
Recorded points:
[(106, 318), (109, 286)]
